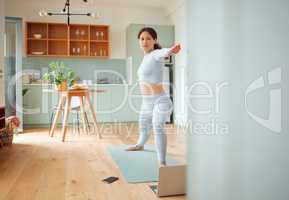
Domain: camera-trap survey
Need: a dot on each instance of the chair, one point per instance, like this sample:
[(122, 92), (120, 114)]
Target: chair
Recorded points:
[(75, 109)]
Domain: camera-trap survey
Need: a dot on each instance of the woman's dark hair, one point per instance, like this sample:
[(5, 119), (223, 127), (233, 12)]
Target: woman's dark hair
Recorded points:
[(153, 33)]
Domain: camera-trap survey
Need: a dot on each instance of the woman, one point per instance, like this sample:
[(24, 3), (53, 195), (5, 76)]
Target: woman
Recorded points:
[(156, 105)]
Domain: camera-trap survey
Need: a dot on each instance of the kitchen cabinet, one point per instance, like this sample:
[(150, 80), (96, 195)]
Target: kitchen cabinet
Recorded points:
[(102, 104), (36, 105), (77, 40), (133, 51), (125, 105)]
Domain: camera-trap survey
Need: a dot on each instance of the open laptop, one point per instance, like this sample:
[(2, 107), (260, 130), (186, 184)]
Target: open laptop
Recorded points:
[(172, 181)]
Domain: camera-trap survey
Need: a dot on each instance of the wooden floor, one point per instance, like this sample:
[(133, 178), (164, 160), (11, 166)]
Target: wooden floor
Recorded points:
[(43, 168)]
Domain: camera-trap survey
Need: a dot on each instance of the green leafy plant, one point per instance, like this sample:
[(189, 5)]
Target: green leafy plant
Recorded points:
[(24, 91), (59, 72)]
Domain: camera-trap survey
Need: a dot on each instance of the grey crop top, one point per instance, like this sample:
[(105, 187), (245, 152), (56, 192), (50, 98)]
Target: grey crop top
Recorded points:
[(151, 68)]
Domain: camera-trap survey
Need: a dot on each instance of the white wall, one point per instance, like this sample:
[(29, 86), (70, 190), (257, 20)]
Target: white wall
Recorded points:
[(177, 15), (241, 43), (118, 18), (2, 93)]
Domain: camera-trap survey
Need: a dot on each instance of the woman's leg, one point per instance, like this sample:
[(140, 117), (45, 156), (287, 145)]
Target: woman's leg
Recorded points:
[(162, 110), (145, 121)]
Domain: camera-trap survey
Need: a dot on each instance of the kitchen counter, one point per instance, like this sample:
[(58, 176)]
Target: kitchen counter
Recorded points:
[(48, 84), (119, 103)]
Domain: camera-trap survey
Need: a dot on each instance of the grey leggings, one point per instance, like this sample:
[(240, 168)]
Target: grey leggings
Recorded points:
[(155, 110)]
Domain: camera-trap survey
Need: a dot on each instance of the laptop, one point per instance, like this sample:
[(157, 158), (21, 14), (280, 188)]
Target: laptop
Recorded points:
[(172, 181)]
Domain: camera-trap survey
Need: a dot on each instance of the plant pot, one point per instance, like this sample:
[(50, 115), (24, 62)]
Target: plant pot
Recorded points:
[(62, 86)]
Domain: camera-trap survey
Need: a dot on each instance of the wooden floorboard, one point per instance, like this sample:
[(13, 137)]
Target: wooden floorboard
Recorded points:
[(39, 167)]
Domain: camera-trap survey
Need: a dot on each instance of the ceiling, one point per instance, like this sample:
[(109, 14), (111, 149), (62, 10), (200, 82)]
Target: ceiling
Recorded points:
[(166, 6), (121, 3), (134, 3)]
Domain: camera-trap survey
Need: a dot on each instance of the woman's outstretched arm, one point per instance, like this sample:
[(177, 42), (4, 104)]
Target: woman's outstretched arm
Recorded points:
[(160, 54)]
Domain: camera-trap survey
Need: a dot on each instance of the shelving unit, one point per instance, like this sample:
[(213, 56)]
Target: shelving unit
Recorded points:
[(79, 40), (99, 45), (36, 45), (76, 40)]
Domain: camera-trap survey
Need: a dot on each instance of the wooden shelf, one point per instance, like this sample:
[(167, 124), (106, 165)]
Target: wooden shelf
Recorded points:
[(79, 32), (58, 40), (79, 48), (36, 46), (37, 39), (76, 40), (101, 41), (57, 47), (36, 28), (99, 49), (57, 31), (99, 32)]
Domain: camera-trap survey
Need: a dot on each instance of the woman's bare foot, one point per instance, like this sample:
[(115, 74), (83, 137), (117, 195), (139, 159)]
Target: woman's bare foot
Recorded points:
[(135, 148)]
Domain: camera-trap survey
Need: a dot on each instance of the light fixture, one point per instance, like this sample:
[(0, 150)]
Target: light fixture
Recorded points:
[(66, 11)]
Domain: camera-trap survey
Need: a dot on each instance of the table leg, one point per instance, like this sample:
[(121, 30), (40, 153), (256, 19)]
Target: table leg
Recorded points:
[(82, 114), (59, 107), (93, 115), (66, 113)]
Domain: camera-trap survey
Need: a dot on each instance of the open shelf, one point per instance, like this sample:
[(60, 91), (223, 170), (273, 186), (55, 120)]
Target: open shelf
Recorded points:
[(37, 47), (98, 33), (58, 31), (76, 40), (98, 49), (57, 47), (79, 48), (99, 41), (34, 29), (79, 32)]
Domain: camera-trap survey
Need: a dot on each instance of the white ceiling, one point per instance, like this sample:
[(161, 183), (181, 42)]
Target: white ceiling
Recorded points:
[(133, 3), (165, 4)]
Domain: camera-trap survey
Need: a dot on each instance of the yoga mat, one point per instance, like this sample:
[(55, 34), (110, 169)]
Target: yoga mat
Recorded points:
[(138, 166)]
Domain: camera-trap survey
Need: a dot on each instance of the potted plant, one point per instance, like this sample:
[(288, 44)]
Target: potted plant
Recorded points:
[(60, 75)]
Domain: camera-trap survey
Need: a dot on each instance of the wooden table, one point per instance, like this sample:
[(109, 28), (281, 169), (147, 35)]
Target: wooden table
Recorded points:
[(65, 96)]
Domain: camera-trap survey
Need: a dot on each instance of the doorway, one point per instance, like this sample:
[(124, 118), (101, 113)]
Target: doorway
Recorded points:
[(13, 67)]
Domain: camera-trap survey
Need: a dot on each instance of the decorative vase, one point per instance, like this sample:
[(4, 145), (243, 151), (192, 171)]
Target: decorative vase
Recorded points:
[(62, 86)]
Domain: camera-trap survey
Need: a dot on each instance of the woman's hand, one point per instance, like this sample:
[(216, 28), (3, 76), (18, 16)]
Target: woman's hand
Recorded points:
[(176, 48)]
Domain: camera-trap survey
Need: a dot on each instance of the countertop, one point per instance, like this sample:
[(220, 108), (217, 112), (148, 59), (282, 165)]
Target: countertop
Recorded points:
[(92, 85)]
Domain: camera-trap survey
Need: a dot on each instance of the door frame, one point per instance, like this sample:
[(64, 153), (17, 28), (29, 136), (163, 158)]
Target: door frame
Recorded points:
[(18, 65)]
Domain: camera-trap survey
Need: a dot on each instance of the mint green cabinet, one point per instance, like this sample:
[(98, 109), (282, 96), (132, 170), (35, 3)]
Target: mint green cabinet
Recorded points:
[(125, 107), (36, 105), (113, 105), (102, 104), (165, 39)]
